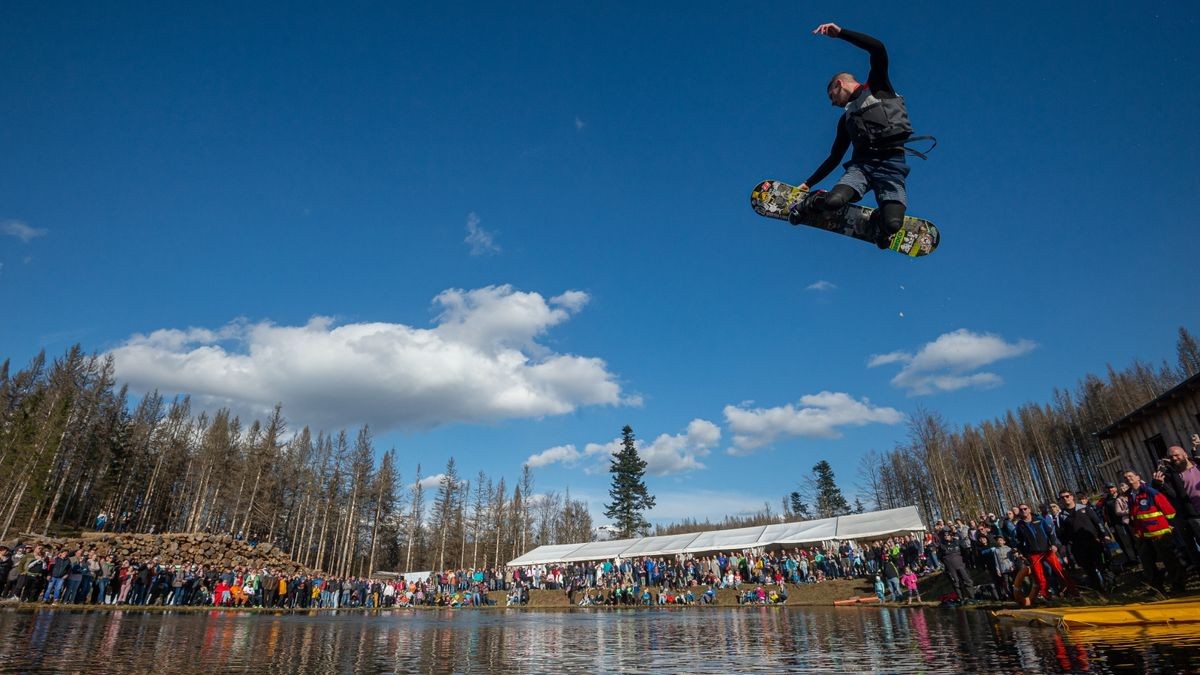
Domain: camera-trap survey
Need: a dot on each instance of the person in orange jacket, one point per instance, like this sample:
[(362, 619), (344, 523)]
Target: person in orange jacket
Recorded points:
[(1150, 516)]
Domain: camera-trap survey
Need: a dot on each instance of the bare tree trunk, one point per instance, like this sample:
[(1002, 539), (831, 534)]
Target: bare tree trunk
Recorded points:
[(374, 536), (322, 539), (253, 494)]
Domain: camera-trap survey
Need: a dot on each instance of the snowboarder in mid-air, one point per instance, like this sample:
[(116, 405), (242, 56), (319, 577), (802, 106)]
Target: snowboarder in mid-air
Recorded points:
[(876, 123)]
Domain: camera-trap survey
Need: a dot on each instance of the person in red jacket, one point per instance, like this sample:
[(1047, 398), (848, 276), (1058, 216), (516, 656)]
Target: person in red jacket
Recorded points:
[(1150, 515)]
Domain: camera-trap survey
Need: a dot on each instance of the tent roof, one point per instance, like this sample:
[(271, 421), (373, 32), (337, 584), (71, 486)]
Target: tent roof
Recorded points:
[(545, 554), (662, 545), (858, 526), (800, 533), (879, 523), (742, 537), (599, 550)]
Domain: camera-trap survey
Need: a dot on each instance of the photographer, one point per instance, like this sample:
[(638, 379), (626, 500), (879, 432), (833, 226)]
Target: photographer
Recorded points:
[(1178, 478)]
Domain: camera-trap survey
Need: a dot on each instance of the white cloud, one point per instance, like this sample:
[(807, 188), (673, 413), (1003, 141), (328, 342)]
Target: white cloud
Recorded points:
[(481, 241), (430, 482), (671, 454), (946, 364), (579, 124), (890, 357), (597, 455), (666, 455), (20, 230), (816, 416), (821, 285), (559, 454), (481, 362)]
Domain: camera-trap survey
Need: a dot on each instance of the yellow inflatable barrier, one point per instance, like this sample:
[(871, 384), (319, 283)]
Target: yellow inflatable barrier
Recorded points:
[(1183, 610)]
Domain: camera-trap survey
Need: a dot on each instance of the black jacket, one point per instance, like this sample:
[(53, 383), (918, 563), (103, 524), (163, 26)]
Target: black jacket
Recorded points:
[(1081, 527), (60, 568)]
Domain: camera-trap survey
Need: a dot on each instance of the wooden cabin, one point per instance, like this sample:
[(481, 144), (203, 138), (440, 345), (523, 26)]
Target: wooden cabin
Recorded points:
[(1140, 439)]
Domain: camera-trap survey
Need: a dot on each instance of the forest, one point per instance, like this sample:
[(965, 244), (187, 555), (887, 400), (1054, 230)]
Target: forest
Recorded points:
[(75, 444)]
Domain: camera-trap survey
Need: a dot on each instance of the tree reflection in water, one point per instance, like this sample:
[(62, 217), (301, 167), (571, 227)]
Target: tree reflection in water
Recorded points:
[(746, 639)]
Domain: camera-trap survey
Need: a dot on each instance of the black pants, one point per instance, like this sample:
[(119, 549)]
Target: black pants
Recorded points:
[(1152, 550), (1188, 530), (1088, 556), (963, 585), (889, 217)]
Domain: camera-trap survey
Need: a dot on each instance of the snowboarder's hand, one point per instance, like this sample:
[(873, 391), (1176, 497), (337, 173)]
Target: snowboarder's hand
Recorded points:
[(804, 186), (830, 29)]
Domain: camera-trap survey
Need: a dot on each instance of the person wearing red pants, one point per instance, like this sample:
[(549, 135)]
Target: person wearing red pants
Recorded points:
[(1038, 543)]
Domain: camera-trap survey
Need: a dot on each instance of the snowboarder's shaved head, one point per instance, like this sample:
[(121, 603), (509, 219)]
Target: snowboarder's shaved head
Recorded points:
[(840, 88)]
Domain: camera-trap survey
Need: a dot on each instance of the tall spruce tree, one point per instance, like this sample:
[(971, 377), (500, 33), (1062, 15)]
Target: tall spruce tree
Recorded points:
[(629, 495), (827, 495)]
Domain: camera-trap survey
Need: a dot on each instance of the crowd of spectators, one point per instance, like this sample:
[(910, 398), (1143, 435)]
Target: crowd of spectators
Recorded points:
[(1053, 546), (756, 576), (1073, 538), (1077, 537), (82, 577)]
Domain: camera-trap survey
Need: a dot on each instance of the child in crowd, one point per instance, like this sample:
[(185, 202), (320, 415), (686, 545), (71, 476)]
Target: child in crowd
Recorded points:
[(879, 587), (909, 581)]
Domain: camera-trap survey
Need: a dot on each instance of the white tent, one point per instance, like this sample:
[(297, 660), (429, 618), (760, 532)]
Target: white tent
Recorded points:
[(599, 550), (662, 545), (859, 526), (727, 540), (545, 554), (879, 523), (800, 533)]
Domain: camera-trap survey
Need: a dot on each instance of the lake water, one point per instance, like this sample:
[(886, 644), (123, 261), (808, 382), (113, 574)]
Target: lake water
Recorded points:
[(695, 640)]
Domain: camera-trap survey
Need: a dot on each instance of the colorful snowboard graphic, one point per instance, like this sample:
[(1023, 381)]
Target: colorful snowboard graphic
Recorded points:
[(773, 199)]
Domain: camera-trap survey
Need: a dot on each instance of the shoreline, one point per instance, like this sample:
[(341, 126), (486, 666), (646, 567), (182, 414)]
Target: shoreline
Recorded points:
[(198, 609), (830, 593)]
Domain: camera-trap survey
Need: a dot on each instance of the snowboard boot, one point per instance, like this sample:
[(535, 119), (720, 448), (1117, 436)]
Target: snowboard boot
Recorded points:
[(883, 239), (808, 208), (881, 235)]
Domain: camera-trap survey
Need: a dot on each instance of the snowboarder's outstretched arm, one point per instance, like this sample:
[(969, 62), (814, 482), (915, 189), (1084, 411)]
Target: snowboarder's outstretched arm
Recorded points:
[(877, 79), (841, 143)]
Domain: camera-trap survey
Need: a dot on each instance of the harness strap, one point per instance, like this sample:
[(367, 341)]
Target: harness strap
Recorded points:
[(903, 145), (918, 153)]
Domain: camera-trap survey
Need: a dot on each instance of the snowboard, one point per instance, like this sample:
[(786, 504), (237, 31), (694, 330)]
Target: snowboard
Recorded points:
[(773, 199)]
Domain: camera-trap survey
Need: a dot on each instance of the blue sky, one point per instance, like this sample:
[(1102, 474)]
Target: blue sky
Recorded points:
[(502, 232)]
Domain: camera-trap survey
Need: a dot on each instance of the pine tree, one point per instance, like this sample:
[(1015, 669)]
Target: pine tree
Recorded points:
[(828, 496), (416, 519), (445, 504), (1189, 353), (799, 507), (628, 491), (858, 506)]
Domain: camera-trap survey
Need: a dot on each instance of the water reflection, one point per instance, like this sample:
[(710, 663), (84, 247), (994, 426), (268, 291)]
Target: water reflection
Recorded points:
[(759, 639)]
